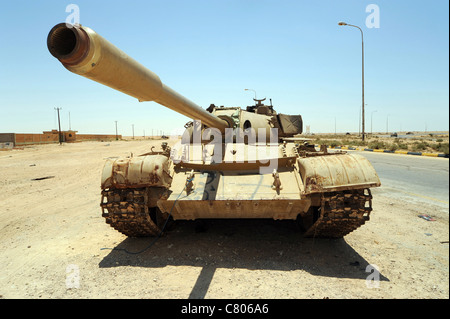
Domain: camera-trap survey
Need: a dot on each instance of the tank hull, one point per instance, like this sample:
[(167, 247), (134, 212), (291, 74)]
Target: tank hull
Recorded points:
[(328, 193)]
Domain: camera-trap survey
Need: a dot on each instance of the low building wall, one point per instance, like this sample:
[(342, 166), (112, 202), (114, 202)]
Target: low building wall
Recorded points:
[(97, 137), (7, 137), (53, 137)]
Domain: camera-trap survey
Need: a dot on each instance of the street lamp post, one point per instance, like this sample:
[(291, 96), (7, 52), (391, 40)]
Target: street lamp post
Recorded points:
[(362, 46)]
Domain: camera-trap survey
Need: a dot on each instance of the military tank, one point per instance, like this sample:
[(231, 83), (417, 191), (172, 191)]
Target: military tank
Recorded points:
[(231, 162)]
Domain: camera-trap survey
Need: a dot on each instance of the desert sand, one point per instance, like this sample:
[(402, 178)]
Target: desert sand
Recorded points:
[(54, 243)]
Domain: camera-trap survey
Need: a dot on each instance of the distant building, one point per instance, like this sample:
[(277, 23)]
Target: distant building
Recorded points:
[(52, 137), (67, 136)]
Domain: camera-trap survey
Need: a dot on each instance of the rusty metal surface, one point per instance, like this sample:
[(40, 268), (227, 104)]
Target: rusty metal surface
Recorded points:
[(127, 211), (196, 189), (69, 45), (218, 194), (335, 186), (234, 208), (341, 213), (141, 171), (337, 172)]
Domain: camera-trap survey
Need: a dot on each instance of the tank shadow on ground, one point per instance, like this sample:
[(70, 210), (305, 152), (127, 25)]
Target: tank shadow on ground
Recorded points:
[(245, 244)]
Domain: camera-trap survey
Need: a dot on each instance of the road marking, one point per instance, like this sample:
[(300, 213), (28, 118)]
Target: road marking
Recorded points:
[(430, 154)]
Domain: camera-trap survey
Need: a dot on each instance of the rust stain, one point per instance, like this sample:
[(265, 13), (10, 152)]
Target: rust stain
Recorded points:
[(153, 178), (314, 183)]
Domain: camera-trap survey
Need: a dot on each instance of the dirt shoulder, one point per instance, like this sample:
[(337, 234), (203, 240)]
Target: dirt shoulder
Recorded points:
[(55, 244)]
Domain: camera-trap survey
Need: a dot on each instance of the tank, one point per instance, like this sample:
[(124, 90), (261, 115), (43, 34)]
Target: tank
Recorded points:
[(231, 162)]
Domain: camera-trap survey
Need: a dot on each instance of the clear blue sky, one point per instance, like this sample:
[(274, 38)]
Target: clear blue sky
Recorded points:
[(211, 50)]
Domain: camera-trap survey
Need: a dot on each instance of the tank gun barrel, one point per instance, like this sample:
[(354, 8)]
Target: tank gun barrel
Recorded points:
[(82, 51)]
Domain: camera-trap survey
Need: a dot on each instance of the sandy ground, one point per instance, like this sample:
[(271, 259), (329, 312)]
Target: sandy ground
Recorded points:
[(55, 244)]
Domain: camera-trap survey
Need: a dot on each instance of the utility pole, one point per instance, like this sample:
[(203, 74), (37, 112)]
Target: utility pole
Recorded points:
[(117, 138), (59, 125), (132, 127)]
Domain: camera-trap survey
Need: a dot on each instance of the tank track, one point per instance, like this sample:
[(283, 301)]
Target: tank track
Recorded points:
[(341, 213), (126, 210)]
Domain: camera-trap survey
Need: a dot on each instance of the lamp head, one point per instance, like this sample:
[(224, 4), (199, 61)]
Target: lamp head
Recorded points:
[(342, 23)]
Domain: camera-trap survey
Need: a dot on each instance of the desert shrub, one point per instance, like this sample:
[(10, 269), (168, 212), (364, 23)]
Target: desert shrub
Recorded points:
[(334, 143), (441, 147), (357, 143), (403, 146), (377, 145), (392, 147), (330, 143), (419, 146)]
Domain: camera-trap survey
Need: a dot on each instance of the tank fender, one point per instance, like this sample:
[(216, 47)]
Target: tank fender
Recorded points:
[(134, 172), (338, 172)]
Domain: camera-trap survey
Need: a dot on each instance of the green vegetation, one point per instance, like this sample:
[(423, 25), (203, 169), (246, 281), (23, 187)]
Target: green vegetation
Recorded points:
[(442, 148), (419, 146), (374, 142), (377, 145)]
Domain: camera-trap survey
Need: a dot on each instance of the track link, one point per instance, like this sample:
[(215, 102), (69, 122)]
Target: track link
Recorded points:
[(126, 210), (341, 213)]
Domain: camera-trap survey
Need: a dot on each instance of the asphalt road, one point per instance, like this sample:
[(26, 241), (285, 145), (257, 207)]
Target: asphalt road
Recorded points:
[(416, 178)]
